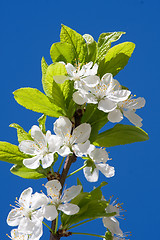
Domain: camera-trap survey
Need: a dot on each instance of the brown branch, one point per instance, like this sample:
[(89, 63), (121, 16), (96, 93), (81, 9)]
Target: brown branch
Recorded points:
[(69, 160)]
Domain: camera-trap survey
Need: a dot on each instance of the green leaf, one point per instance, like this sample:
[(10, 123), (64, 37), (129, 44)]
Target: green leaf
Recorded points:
[(21, 133), (104, 43), (97, 193), (96, 118), (42, 121), (77, 41), (71, 109), (92, 47), (120, 134), (24, 172), (33, 99), (62, 51), (116, 58), (79, 183), (49, 83), (10, 153), (44, 67)]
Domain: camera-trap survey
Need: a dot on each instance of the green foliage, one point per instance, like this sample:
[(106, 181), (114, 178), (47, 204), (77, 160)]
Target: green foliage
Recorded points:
[(120, 134), (21, 133), (42, 121), (44, 67), (62, 51), (96, 118), (24, 172), (76, 40), (91, 207), (104, 43), (33, 99), (92, 47), (116, 58), (10, 153)]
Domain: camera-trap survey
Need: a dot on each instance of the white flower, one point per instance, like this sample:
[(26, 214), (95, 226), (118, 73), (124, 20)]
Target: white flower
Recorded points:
[(57, 202), (111, 222), (67, 140), (107, 93), (128, 108), (86, 74), (99, 158), (27, 214), (41, 148)]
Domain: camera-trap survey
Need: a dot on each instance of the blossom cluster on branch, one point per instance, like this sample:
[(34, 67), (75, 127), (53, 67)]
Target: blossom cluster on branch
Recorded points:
[(82, 93)]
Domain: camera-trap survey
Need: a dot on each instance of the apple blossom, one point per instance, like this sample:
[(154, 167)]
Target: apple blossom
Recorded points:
[(16, 235), (41, 148), (57, 202), (111, 222), (27, 214), (97, 162), (107, 93), (128, 108), (67, 140)]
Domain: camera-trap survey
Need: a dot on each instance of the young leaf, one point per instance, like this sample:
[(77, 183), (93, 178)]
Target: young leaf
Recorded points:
[(44, 67), (116, 58), (24, 172), (77, 41), (10, 153), (120, 134), (62, 51), (104, 43), (42, 121), (21, 133), (92, 47), (33, 99)]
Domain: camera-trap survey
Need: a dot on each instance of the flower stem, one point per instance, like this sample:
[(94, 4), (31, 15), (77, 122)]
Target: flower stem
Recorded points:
[(89, 234), (48, 227), (80, 223), (56, 225), (61, 165), (79, 169), (94, 109)]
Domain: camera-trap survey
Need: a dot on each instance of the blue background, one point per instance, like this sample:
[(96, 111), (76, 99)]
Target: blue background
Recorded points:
[(28, 28)]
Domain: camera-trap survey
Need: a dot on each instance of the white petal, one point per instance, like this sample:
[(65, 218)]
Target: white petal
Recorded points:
[(91, 176), (70, 69), (53, 187), (71, 193), (115, 116), (106, 105), (64, 151), (79, 98), (47, 160), (14, 217), (33, 162), (69, 208), (81, 149), (119, 95), (54, 143), (38, 200), (99, 155), (113, 225), (81, 133), (60, 78), (25, 197), (132, 104), (50, 212), (110, 209), (91, 81), (38, 136), (107, 170), (29, 147), (133, 118), (62, 126), (26, 226)]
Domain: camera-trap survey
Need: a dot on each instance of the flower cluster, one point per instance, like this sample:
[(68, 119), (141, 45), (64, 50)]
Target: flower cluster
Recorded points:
[(31, 209), (106, 92)]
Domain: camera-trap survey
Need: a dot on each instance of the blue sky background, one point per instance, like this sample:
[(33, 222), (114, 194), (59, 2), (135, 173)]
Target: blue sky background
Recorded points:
[(28, 28)]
